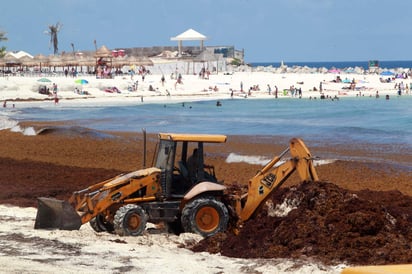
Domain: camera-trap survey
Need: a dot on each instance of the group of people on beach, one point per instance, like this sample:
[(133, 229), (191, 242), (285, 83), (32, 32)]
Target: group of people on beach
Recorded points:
[(204, 74), (53, 93), (252, 89), (72, 72), (402, 88)]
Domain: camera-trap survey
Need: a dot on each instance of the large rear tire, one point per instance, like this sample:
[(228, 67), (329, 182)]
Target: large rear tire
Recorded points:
[(130, 220), (205, 216), (99, 224)]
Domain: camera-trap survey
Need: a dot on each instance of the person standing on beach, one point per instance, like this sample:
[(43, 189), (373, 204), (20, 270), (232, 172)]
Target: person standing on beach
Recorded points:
[(54, 88), (241, 86), (132, 73), (163, 80), (179, 80), (56, 99), (276, 91)]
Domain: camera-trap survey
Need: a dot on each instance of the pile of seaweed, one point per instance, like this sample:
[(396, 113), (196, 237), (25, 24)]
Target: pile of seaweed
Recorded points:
[(325, 222)]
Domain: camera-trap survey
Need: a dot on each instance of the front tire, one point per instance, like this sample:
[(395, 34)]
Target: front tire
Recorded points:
[(130, 220), (99, 224), (205, 216)]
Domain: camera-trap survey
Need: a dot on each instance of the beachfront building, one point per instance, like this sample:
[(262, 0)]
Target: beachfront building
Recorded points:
[(167, 60), (14, 61), (103, 62)]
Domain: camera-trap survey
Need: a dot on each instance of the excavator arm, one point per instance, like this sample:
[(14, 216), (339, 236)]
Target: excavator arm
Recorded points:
[(273, 175)]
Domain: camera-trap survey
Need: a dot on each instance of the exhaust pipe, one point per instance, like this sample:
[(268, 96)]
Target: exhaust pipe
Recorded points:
[(56, 214), (144, 147)]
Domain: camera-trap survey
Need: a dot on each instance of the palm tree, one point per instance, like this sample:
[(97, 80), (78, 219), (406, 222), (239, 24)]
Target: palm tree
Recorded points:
[(3, 38), (53, 30)]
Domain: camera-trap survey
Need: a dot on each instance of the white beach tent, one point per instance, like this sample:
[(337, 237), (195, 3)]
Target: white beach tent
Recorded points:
[(189, 35), (19, 54)]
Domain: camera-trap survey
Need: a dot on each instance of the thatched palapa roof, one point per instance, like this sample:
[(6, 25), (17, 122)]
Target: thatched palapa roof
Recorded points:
[(103, 52)]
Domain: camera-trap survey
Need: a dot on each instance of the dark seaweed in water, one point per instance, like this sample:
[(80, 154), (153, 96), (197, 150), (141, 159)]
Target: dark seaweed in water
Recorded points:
[(74, 131), (329, 224)]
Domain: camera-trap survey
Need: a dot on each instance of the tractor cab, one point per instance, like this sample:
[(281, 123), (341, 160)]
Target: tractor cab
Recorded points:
[(181, 159)]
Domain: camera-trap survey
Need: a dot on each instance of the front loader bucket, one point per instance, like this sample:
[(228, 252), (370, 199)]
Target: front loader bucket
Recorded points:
[(52, 213)]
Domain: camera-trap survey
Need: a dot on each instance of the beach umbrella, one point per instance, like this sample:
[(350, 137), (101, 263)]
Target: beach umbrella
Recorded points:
[(139, 61), (41, 60), (334, 70), (70, 60), (145, 61), (120, 61), (26, 60), (11, 60), (387, 73), (81, 81), (86, 60), (103, 52), (55, 61), (349, 70), (44, 80)]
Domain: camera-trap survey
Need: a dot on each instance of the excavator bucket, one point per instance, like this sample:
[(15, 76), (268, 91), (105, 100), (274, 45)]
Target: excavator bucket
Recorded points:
[(52, 213)]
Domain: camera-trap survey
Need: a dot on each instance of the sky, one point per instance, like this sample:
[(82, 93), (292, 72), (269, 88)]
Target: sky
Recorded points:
[(267, 30)]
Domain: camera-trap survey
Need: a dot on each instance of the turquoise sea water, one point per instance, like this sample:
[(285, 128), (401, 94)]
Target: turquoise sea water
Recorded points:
[(381, 127), (344, 121), (340, 64)]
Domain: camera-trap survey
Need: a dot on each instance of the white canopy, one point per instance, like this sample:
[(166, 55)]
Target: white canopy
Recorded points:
[(19, 54), (189, 35)]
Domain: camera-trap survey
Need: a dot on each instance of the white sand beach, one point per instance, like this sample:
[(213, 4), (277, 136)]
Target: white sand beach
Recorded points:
[(222, 85), (51, 251)]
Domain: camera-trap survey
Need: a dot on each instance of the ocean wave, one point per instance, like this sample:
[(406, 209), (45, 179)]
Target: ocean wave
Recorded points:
[(74, 131), (7, 123), (261, 160), (13, 126), (28, 131), (253, 160)]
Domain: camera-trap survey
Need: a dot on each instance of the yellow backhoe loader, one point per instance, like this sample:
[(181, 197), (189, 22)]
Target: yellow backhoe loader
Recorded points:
[(179, 190)]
